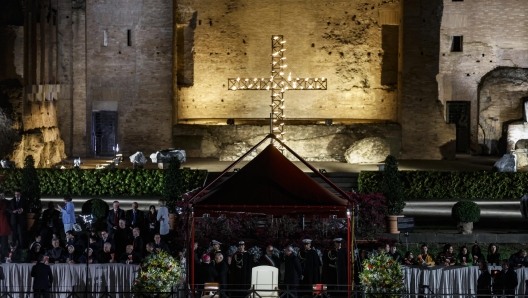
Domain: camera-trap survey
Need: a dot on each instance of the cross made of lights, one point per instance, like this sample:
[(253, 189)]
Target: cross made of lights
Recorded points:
[(277, 84)]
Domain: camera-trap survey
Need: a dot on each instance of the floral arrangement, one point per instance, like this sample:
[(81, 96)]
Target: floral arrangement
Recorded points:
[(232, 250), (256, 252), (159, 273), (382, 277)]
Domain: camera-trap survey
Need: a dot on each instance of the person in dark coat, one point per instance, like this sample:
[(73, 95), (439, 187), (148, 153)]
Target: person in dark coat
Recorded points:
[(42, 278), (207, 271), (56, 253), (292, 271), (5, 229), (35, 253), (106, 255), (221, 270), (337, 265), (160, 245), (240, 269), (105, 238), (152, 223), (269, 259), (130, 256), (506, 281), (137, 241), (78, 244), (13, 254), (484, 280), (114, 215), (494, 257), (135, 218), (88, 257), (18, 208), (71, 256), (122, 237), (310, 264)]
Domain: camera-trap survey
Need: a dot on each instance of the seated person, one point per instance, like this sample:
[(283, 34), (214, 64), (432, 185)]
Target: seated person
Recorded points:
[(13, 254), (37, 240), (409, 259), (57, 253), (71, 256), (464, 258), (95, 244), (477, 255), (130, 256), (35, 252), (396, 256), (88, 257), (494, 257), (425, 258), (149, 249), (106, 255), (446, 257), (160, 245), (518, 259), (71, 240)]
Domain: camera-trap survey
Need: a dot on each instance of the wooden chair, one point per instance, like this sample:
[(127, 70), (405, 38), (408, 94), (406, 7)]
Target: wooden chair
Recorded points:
[(210, 290), (264, 282)]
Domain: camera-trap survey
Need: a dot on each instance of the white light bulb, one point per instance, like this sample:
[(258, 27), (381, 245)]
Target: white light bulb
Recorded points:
[(238, 79), (233, 88), (323, 79)]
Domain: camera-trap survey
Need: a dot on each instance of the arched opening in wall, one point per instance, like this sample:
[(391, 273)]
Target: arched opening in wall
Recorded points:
[(502, 94)]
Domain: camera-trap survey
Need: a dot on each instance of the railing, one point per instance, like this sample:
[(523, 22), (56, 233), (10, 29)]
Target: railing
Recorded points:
[(286, 291)]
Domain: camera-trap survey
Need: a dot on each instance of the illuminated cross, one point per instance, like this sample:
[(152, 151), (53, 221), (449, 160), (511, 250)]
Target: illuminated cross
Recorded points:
[(277, 84)]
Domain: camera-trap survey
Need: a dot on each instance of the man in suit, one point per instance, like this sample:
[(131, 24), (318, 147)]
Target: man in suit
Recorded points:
[(50, 224), (130, 256), (105, 238), (78, 244), (135, 217), (221, 270), (160, 245), (137, 241), (293, 271), (17, 209), (506, 281), (269, 259), (122, 237), (42, 278), (13, 254), (112, 220), (56, 254), (106, 255)]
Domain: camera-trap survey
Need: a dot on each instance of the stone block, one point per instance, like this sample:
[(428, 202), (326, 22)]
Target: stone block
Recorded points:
[(486, 238), (420, 238), (455, 238), (368, 150), (512, 238)]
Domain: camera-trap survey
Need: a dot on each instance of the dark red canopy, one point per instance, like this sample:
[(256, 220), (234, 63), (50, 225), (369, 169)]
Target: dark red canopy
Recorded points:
[(271, 179)]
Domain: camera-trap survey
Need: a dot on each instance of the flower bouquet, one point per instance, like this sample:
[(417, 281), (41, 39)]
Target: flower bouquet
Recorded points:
[(382, 277), (159, 273)]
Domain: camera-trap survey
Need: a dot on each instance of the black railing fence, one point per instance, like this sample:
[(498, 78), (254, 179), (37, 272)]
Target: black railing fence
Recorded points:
[(260, 291)]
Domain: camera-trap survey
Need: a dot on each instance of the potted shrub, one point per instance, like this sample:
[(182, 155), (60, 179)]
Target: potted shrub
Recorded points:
[(172, 192), (391, 189), (465, 213), (30, 190)]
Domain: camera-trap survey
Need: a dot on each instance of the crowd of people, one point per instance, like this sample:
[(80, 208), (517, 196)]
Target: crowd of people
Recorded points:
[(504, 281), (128, 238)]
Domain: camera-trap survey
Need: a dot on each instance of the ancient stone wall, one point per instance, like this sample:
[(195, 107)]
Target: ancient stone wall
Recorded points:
[(493, 36), (342, 41), (425, 134), (312, 142), (118, 53)]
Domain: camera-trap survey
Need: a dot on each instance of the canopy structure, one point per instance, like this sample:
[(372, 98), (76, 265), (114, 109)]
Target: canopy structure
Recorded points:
[(270, 184)]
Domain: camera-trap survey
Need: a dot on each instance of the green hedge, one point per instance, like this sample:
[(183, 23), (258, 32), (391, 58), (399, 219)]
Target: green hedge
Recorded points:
[(452, 185), (114, 182)]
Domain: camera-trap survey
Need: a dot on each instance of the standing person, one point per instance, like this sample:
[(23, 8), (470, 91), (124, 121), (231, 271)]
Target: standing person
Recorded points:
[(163, 218), (337, 264), (5, 229), (134, 217), (216, 249), (269, 259), (68, 213), (506, 281), (42, 278), (293, 272), (221, 270), (112, 220), (50, 223), (159, 245), (241, 265), (151, 219), (137, 241), (122, 237), (484, 280), (311, 265), (207, 271), (17, 208)]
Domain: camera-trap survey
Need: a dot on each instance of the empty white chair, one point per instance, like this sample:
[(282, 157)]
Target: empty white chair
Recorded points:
[(265, 281)]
